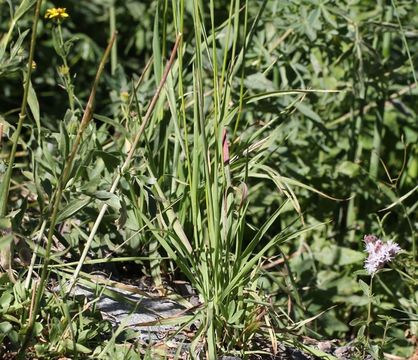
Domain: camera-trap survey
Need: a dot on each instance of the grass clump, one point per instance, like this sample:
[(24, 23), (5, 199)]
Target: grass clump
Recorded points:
[(242, 148)]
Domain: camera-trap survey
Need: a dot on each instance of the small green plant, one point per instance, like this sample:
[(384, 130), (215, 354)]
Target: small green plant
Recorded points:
[(70, 327), (379, 254), (62, 48)]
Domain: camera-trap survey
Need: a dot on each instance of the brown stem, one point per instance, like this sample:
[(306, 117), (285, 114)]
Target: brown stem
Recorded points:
[(87, 116)]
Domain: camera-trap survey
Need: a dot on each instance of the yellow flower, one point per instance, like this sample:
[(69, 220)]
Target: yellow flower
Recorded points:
[(124, 96), (56, 13), (63, 70)]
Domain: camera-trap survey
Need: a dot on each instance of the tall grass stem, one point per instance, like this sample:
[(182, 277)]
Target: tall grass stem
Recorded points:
[(125, 165), (6, 253), (87, 116)]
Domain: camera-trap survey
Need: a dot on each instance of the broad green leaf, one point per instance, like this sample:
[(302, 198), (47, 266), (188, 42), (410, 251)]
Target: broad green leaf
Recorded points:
[(37, 328), (24, 6), (110, 160), (333, 254), (357, 322), (5, 224), (17, 46), (307, 111), (72, 208), (364, 287), (69, 345), (111, 122), (319, 353), (63, 140), (258, 81), (5, 300), (5, 327), (349, 168), (6, 236), (109, 198)]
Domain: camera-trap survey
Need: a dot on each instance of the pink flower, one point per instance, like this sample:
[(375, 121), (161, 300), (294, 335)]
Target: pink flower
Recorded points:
[(379, 252)]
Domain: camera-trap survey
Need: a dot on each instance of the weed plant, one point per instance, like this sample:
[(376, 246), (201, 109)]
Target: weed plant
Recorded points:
[(243, 147)]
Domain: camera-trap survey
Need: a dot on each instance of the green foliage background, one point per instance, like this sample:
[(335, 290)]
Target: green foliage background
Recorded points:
[(357, 145)]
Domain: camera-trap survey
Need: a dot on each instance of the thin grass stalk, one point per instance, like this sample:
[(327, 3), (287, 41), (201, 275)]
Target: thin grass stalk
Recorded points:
[(246, 44), (165, 22), (227, 39), (67, 76), (198, 154), (394, 5), (126, 165), (112, 26), (377, 140), (242, 76), (354, 156), (159, 47), (34, 254), (233, 58), (180, 23), (156, 49), (380, 111), (22, 115), (87, 116), (211, 179), (226, 81), (215, 265), (369, 314), (209, 257), (193, 164), (411, 62), (5, 186)]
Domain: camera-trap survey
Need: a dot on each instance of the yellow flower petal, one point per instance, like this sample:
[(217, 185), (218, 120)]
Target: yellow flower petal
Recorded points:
[(57, 14)]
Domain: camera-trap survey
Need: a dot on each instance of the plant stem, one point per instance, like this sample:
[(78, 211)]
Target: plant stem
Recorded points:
[(66, 73), (6, 253), (35, 251), (125, 165), (369, 313), (112, 25), (4, 190), (87, 116)]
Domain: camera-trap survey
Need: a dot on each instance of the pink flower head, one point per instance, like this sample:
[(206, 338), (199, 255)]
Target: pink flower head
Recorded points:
[(379, 252)]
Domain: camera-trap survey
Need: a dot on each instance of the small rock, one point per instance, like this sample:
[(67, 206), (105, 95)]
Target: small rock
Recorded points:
[(325, 346), (345, 352)]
